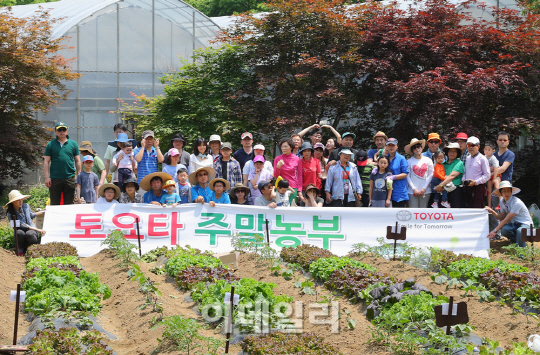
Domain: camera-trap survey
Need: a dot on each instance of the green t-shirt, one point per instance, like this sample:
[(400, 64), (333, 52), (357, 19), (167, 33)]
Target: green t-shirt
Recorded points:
[(456, 165), (365, 172), (98, 167), (62, 158)]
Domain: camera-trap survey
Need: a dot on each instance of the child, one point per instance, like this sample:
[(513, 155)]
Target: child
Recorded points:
[(364, 170), (108, 193), (87, 182), (489, 149), (171, 198), (283, 192), (380, 190), (171, 165), (256, 175), (218, 187), (183, 187), (438, 177), (125, 163)]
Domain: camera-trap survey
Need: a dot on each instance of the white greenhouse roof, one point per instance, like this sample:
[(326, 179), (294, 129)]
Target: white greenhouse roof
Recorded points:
[(72, 12)]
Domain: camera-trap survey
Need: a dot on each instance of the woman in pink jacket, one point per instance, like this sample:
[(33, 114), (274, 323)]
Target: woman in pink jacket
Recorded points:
[(289, 167)]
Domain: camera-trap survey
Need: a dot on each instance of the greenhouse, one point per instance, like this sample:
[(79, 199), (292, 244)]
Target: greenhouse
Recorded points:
[(120, 47)]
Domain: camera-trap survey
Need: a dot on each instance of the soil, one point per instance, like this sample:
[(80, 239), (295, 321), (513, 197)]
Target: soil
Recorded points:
[(12, 269), (121, 316)]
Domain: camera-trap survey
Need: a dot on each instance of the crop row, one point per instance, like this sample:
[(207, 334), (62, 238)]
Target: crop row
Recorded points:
[(57, 287)]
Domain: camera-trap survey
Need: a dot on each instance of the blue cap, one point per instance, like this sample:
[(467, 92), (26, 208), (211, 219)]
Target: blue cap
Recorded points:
[(348, 134), (87, 158)]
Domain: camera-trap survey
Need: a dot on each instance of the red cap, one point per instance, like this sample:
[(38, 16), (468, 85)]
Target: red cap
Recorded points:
[(361, 163), (461, 135), (247, 134)]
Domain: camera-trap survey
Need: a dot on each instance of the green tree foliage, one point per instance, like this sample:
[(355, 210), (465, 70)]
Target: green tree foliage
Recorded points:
[(22, 2), (196, 98), (227, 7), (32, 78)]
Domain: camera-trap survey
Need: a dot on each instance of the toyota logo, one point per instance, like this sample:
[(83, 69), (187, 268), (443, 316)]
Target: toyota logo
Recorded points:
[(404, 215)]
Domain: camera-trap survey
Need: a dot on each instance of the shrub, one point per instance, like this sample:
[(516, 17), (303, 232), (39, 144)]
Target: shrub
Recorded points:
[(192, 275), (286, 343), (68, 341), (174, 265), (39, 196), (45, 262), (304, 255), (51, 250), (7, 240), (324, 267)]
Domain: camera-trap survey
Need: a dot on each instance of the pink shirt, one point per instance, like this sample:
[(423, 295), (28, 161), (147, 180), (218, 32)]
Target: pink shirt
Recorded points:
[(290, 171)]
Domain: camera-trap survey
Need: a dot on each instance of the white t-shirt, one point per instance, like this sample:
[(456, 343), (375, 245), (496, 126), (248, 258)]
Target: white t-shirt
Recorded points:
[(104, 200), (283, 199), (420, 174), (515, 205), (125, 162), (195, 162)]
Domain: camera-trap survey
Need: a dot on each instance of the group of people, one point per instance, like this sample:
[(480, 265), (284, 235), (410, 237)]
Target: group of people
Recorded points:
[(306, 173)]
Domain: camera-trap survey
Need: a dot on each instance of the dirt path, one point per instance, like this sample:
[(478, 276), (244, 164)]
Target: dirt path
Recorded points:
[(12, 270)]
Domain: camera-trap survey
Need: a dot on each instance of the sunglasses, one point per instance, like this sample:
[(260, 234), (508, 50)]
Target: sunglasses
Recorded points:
[(61, 130), (469, 145), (433, 142), (416, 146)]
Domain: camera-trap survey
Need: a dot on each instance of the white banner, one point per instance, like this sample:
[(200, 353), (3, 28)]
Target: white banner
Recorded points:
[(207, 228)]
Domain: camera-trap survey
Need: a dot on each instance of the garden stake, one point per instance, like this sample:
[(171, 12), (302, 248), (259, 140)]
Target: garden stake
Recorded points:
[(229, 323), (395, 236), (525, 237), (16, 314), (138, 236), (267, 234), (14, 218), (450, 319)]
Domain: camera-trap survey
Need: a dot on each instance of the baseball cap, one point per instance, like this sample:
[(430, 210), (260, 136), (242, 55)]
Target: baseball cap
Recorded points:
[(226, 146), (59, 125), (147, 134), (318, 145), (348, 134), (259, 146), (247, 134), (169, 183), (87, 158), (461, 135), (345, 151), (258, 158), (473, 140), (173, 152), (214, 137), (263, 183), (361, 158), (392, 141)]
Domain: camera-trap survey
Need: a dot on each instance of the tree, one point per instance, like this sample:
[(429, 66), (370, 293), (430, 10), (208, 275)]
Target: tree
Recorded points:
[(197, 98), (227, 7), (31, 78)]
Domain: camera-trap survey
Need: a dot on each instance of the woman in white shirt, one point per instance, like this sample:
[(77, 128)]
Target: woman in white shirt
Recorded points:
[(420, 174), (199, 158)]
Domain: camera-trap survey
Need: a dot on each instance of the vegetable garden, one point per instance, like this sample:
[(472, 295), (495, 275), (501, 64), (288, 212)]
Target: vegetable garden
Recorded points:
[(300, 300)]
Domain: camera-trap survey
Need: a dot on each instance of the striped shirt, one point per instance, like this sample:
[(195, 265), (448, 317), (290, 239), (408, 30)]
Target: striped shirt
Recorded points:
[(148, 163)]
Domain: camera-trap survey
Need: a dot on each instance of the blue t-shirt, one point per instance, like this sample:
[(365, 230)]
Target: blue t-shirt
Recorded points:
[(169, 199), (371, 153), (148, 163), (172, 170), (380, 192), (508, 156), (397, 166), (183, 192), (150, 197), (223, 199), (197, 191)]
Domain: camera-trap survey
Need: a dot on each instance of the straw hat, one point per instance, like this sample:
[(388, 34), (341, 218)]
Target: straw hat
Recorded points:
[(86, 146), (239, 186), (15, 195), (213, 181), (102, 188), (380, 134), (145, 182), (193, 176), (414, 141), (452, 145), (505, 184)]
